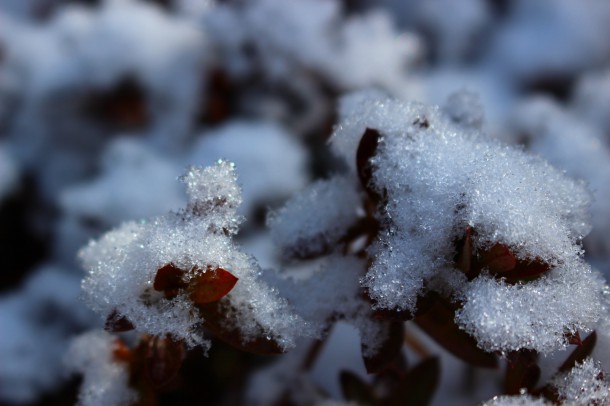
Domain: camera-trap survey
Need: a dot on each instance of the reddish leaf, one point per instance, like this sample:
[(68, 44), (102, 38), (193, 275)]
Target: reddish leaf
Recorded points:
[(356, 390), (498, 259), (522, 371), (211, 285), (169, 280), (117, 323), (527, 270), (418, 386), (438, 322), (163, 359), (580, 353), (389, 351)]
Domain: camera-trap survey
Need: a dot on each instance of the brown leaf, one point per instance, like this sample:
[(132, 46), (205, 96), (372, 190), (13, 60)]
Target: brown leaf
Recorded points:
[(389, 351), (211, 285), (117, 323), (438, 322), (169, 280), (527, 270), (498, 259), (366, 150), (163, 359), (522, 371), (356, 390)]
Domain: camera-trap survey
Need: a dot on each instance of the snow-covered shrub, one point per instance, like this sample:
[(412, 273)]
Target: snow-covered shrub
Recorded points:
[(336, 237)]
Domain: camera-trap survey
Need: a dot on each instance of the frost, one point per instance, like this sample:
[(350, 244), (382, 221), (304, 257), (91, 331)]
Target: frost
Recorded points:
[(335, 204), (436, 180), (521, 400), (576, 147), (105, 380), (533, 315), (123, 264), (585, 384)]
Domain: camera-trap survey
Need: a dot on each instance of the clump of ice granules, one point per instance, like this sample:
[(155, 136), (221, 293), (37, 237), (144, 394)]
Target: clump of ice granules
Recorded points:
[(436, 181)]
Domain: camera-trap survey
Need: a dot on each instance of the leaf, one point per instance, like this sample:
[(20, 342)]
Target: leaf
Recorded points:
[(580, 353), (356, 390), (366, 150), (211, 285), (169, 280), (214, 315), (463, 258), (389, 350), (528, 270), (522, 371), (498, 259), (438, 322), (418, 386), (121, 351), (117, 323), (163, 358)]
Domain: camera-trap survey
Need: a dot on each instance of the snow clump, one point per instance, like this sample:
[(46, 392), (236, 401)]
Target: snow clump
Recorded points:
[(123, 264)]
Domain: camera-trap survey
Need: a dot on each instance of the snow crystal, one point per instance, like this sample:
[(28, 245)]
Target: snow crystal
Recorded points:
[(123, 263), (436, 179), (534, 315), (585, 384), (105, 380), (313, 220), (574, 146), (521, 400)]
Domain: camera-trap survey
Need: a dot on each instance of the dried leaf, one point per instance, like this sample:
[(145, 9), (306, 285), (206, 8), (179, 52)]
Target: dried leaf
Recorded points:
[(366, 150), (117, 323), (356, 390), (389, 350), (438, 322), (211, 285)]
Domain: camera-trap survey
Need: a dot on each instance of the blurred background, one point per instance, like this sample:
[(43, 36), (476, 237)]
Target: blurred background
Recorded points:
[(103, 103)]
